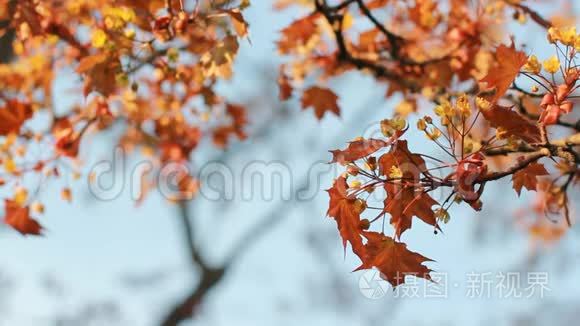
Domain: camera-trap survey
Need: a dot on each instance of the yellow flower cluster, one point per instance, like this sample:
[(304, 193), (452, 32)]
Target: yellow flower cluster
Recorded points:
[(566, 36), (390, 126), (482, 104), (533, 65), (552, 65), (99, 39), (444, 110), (463, 105), (395, 172), (447, 111), (117, 18)]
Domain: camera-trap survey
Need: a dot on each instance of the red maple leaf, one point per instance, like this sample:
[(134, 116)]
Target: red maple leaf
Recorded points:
[(322, 100), (513, 123), (18, 217), (404, 199), (509, 62), (344, 211), (13, 115), (357, 149), (393, 259), (528, 177)]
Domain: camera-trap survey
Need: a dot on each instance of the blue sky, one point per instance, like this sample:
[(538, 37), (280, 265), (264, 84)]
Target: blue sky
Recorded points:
[(92, 248)]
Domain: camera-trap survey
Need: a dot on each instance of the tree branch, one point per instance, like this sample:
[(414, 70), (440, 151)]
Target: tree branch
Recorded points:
[(211, 276), (187, 226), (344, 55), (533, 14)]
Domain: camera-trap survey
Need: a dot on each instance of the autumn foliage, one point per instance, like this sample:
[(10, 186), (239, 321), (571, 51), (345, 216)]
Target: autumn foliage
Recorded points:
[(447, 61), (151, 68)]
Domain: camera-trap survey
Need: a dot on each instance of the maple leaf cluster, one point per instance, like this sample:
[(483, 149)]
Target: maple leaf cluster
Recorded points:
[(147, 67), (451, 58), (151, 68)]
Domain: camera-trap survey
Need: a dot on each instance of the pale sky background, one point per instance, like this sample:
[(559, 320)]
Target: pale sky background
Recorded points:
[(132, 258)]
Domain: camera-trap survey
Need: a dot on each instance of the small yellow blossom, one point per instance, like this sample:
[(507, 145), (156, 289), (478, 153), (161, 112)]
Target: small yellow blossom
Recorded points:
[(172, 55), (533, 65), (389, 126), (568, 36), (20, 196), (10, 165), (66, 194), (463, 105), (442, 215), (99, 39), (405, 108), (129, 33), (444, 109), (355, 184), (395, 173), (501, 133), (553, 34), (482, 104), (359, 205), (552, 65), (117, 18), (398, 123)]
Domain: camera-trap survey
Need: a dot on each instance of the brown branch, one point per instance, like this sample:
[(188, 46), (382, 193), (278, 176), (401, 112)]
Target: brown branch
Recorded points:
[(560, 148), (394, 39), (335, 18), (534, 15), (564, 148), (209, 278), (185, 309), (344, 55), (520, 166), (169, 7), (187, 226), (7, 34), (341, 6)]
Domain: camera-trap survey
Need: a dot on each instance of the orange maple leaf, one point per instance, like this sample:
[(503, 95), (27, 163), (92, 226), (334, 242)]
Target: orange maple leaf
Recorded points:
[(375, 4), (404, 202), (18, 217), (343, 209), (68, 144), (13, 115), (298, 33), (100, 72), (223, 134), (239, 23), (528, 177), (513, 123), (509, 62), (322, 100), (393, 259), (403, 199), (357, 149)]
